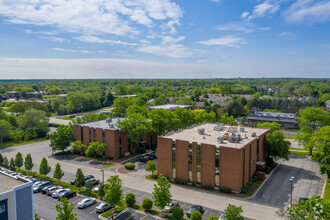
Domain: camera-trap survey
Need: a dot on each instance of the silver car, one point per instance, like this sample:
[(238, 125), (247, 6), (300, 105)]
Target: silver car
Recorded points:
[(86, 202), (57, 193), (102, 207)]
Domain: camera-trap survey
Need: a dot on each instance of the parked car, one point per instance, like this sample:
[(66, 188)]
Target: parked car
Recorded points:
[(86, 202), (67, 194), (36, 182), (39, 187), (302, 199), (57, 193), (145, 158), (94, 181), (72, 182), (152, 155), (169, 207), (222, 217), (102, 207), (50, 190), (195, 207), (44, 190)]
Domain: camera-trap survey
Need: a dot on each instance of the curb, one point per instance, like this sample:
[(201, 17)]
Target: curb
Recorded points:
[(324, 186)]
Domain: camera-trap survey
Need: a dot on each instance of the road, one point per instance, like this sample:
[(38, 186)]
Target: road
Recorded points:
[(258, 208)]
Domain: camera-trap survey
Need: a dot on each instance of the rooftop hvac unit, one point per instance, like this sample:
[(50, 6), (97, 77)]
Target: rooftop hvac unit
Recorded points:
[(225, 136), (233, 139), (108, 120), (246, 136), (111, 125), (232, 129), (239, 137), (241, 129), (220, 139), (201, 131), (253, 134)]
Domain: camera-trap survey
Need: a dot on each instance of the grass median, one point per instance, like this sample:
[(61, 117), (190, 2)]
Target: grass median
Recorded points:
[(13, 144)]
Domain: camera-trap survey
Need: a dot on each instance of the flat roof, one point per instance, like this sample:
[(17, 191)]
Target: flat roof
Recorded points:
[(8, 183), (169, 106), (212, 131), (103, 123)]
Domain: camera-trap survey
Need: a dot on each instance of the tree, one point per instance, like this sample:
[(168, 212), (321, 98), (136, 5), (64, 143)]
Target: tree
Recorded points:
[(1, 159), (19, 160), (233, 212), (80, 178), (64, 210), (95, 149), (196, 215), (34, 120), (58, 172), (130, 199), (89, 186), (313, 208), (101, 191), (212, 218), (28, 164), (12, 164), (78, 148), (177, 213), (275, 144), (5, 161), (161, 194), (311, 119), (44, 167), (235, 108), (151, 166), (115, 192), (61, 138), (4, 130), (147, 204)]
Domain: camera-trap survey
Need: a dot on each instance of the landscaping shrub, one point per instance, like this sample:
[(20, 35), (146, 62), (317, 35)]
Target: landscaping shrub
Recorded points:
[(207, 187), (130, 166), (196, 215), (130, 199), (177, 213), (147, 204), (225, 189), (179, 181), (244, 190), (212, 218), (255, 178)]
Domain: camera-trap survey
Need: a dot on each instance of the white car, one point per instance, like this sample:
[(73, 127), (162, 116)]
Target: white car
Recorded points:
[(86, 202), (222, 217), (56, 194)]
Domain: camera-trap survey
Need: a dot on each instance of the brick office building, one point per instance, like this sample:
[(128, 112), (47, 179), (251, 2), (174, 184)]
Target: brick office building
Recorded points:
[(105, 131), (211, 154)]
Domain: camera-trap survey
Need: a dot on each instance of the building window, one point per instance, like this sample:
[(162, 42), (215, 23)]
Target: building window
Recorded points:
[(190, 163), (2, 208), (217, 165), (173, 161), (198, 164)]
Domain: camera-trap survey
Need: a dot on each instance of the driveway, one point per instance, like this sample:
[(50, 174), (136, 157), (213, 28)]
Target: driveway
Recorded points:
[(308, 182)]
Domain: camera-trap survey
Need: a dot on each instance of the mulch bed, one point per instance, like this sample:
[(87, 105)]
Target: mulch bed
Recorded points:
[(123, 170)]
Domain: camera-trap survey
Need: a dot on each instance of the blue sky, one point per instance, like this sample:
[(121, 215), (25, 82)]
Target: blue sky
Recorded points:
[(164, 38)]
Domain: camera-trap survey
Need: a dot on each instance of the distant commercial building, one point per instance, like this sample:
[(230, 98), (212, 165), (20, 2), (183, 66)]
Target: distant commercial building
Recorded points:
[(285, 120), (106, 131), (13, 94), (213, 155), (16, 198), (171, 107)]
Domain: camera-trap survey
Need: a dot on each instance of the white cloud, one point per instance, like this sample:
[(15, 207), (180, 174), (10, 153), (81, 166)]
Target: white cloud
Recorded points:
[(243, 26), (54, 39), (76, 51), (94, 39), (308, 11), (174, 50), (28, 31), (285, 34), (228, 41), (93, 16), (245, 14), (263, 9), (217, 1), (172, 40)]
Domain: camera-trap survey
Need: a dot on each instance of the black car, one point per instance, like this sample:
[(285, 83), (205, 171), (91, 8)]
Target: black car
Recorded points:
[(67, 194), (194, 208), (152, 155), (44, 190), (72, 182), (145, 158)]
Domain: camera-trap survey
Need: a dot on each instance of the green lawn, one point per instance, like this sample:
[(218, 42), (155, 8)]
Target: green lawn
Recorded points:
[(327, 191), (13, 144), (121, 207), (108, 165), (289, 136), (65, 118), (303, 153)]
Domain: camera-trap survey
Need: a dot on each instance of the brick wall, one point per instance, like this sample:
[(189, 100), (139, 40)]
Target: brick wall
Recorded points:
[(254, 159), (77, 133), (194, 162), (247, 161), (99, 135), (208, 164), (112, 143), (164, 156), (231, 168), (262, 154), (124, 143), (182, 159), (86, 137)]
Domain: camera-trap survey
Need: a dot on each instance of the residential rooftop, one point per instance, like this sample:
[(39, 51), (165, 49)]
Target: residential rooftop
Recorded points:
[(170, 106), (215, 134), (8, 183), (104, 124)]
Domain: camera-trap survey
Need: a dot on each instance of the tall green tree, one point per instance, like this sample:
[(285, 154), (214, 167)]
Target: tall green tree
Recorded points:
[(28, 164), (19, 160), (151, 166), (114, 192), (1, 159), (5, 161), (80, 178), (89, 186), (233, 212), (12, 164), (101, 191), (313, 208), (275, 144), (4, 130), (310, 120), (161, 194), (64, 210), (44, 167), (61, 138), (34, 120), (58, 172)]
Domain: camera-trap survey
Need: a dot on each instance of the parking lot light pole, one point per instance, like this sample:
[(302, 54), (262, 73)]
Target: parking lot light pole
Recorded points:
[(291, 180), (102, 176)]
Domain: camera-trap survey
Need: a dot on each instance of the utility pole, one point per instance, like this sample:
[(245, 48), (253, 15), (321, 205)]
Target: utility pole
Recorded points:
[(102, 176)]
